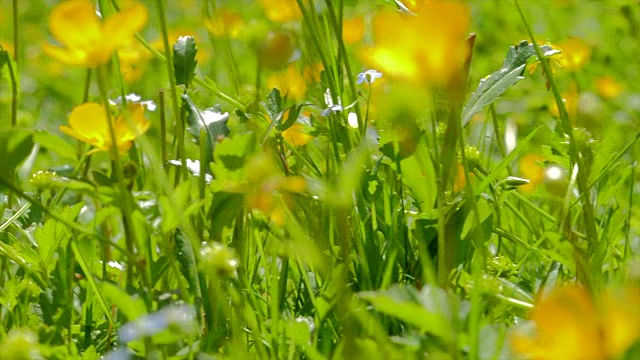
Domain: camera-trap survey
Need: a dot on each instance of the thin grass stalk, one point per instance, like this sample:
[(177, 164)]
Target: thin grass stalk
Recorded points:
[(588, 210), (164, 157), (131, 235), (337, 29), (179, 120)]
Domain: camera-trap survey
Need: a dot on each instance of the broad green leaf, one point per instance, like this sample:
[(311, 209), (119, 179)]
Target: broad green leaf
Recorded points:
[(9, 71), (55, 144), (420, 310), (211, 119), (15, 146), (494, 85), (172, 209), (187, 259), (292, 116), (418, 174), (184, 60), (273, 105), (132, 307)]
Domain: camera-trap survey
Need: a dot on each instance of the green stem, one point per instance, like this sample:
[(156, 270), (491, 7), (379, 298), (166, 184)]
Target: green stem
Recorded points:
[(337, 29), (588, 211), (163, 128), (131, 236), (174, 90)]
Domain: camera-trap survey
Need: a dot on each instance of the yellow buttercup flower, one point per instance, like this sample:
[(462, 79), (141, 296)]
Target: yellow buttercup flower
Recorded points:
[(428, 46), (228, 23), (571, 324), (575, 53), (608, 87), (531, 167), (89, 123), (87, 41), (353, 30), (281, 11), (290, 82)]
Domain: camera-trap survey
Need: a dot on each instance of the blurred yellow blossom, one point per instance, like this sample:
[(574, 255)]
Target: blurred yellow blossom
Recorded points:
[(608, 87), (290, 82), (280, 11), (353, 30), (89, 123), (133, 59), (297, 135), (276, 50), (575, 53), (265, 187), (428, 46), (531, 167), (571, 100), (570, 324), (87, 41), (226, 23), (312, 72)]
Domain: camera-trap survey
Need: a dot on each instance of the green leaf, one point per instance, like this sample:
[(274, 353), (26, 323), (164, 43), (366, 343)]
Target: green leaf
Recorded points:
[(55, 144), (294, 112), (15, 146), (9, 72), (211, 119), (274, 105), (187, 259), (184, 60), (418, 173), (493, 86), (132, 307), (424, 310)]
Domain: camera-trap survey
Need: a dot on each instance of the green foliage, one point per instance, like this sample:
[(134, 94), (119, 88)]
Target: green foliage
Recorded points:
[(289, 212), (184, 60)]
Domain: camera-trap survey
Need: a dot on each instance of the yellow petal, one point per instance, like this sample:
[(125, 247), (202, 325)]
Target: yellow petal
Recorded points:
[(75, 24), (128, 129), (89, 122), (120, 27), (66, 55), (566, 327), (620, 320), (280, 11), (353, 30)]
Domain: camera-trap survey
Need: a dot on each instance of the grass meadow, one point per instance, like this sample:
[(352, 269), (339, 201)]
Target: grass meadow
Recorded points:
[(319, 179)]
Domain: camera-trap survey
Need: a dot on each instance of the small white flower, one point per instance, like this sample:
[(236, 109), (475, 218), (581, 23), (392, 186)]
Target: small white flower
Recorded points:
[(331, 107), (135, 99), (352, 120), (369, 76)]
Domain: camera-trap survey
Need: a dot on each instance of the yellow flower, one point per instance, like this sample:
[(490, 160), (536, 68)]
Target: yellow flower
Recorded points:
[(428, 46), (227, 23), (281, 11), (89, 123), (608, 88), (570, 324), (353, 30), (276, 50), (290, 82), (133, 60), (297, 135), (531, 167), (85, 39), (575, 53), (266, 189)]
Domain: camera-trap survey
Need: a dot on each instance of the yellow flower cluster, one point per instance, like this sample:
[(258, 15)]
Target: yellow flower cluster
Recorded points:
[(428, 46), (87, 41), (89, 123), (570, 323)]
